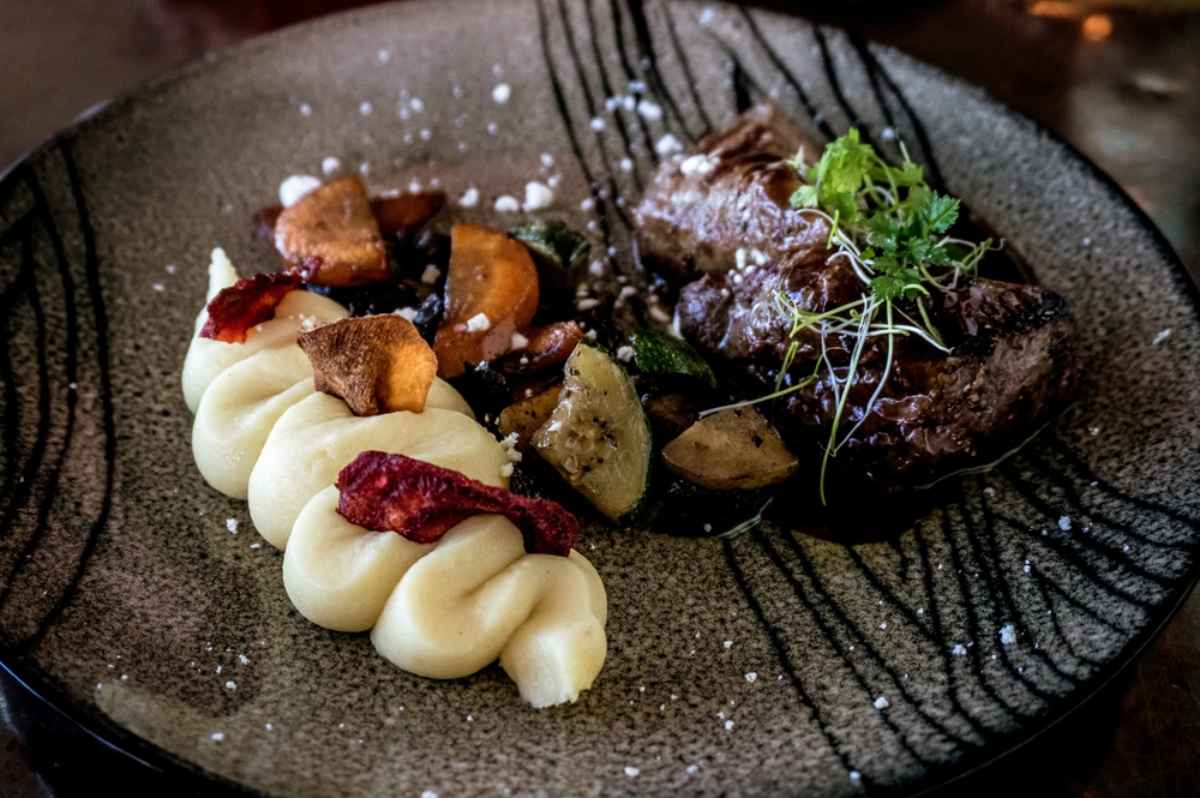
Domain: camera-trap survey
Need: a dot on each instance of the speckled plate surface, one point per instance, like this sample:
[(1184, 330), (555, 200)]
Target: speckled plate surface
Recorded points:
[(778, 662)]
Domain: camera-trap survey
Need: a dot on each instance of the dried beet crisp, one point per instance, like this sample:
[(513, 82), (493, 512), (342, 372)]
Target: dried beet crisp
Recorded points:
[(421, 501), (248, 302)]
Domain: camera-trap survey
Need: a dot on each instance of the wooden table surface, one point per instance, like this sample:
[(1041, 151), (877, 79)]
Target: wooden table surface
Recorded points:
[(1120, 80)]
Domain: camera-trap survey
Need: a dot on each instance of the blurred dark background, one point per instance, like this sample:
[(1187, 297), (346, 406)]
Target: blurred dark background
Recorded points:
[(1118, 79)]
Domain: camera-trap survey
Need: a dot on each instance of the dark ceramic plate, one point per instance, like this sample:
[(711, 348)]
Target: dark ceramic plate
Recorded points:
[(841, 667)]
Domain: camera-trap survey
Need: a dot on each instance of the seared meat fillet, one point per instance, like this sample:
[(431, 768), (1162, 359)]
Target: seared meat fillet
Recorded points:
[(694, 219), (1012, 365)]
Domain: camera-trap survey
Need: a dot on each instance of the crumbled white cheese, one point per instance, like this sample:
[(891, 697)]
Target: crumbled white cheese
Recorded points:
[(752, 677), (417, 105), (231, 524), (217, 737), (698, 165), (157, 286), (518, 341), (587, 304), (668, 145), (553, 181), (426, 134), (305, 109), (1162, 336), (626, 165), (650, 110), (882, 703), (470, 198), (728, 725), (479, 323), (855, 777), (1008, 634), (406, 313), (330, 165), (586, 204), (383, 55), (507, 204), (631, 771), (637, 87), (888, 134), (364, 168), (706, 16), (294, 187), (231, 685), (538, 196), (492, 127), (597, 124), (365, 108), (625, 354), (431, 274), (506, 471), (547, 160), (1064, 523), (959, 650), (501, 93), (597, 268)]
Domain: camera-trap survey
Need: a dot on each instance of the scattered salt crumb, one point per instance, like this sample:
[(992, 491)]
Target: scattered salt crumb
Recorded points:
[(855, 777), (364, 168), (479, 323), (501, 93), (883, 625), (959, 650), (429, 794), (597, 124), (989, 491), (305, 109), (626, 165), (1027, 567), (231, 524), (1125, 547), (431, 274), (692, 770), (242, 658), (538, 196), (631, 771), (752, 677), (518, 341), (492, 127), (637, 87), (171, 268), (1064, 523), (1162, 336), (426, 134), (231, 685), (417, 104), (470, 198), (1008, 634), (1087, 241), (728, 644), (330, 165), (158, 287), (406, 313), (547, 160), (365, 108), (294, 187), (882, 703), (383, 56), (706, 16), (587, 204), (507, 204), (217, 737), (668, 145), (649, 110), (888, 134), (728, 725)]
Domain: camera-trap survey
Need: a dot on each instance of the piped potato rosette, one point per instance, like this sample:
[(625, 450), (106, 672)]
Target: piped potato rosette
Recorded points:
[(444, 609)]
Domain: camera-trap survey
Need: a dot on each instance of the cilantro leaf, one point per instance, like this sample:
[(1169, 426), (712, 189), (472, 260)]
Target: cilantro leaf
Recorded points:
[(939, 212)]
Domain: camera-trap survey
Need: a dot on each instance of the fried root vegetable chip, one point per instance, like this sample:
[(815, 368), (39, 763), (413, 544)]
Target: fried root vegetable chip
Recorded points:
[(420, 501), (332, 236), (248, 302), (375, 364)]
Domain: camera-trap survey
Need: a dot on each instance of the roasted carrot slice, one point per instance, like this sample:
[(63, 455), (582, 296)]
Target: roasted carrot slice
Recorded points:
[(491, 293), (332, 237)]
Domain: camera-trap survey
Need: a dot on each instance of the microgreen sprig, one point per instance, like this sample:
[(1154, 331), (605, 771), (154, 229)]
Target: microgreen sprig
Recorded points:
[(892, 229)]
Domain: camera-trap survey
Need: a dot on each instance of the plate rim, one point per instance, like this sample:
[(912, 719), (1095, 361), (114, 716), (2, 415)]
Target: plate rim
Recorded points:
[(140, 752)]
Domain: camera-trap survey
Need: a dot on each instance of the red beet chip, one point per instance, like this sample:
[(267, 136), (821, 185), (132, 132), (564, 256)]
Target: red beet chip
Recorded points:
[(420, 501), (249, 301)]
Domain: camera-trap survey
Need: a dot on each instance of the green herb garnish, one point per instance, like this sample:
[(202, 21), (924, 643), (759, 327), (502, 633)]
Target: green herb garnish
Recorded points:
[(893, 230)]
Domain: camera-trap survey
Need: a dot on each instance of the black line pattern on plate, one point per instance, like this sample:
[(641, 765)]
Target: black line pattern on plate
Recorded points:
[(781, 653), (607, 88), (685, 65), (12, 403), (648, 61), (50, 483), (95, 293), (617, 20)]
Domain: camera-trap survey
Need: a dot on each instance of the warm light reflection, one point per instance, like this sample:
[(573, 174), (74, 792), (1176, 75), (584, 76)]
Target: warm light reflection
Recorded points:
[(1056, 9), (1096, 27)]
